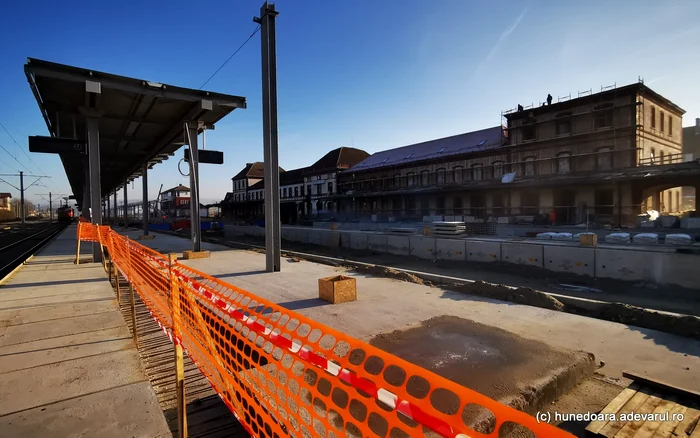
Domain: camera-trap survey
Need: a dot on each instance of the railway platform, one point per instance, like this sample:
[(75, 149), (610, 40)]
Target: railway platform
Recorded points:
[(68, 364)]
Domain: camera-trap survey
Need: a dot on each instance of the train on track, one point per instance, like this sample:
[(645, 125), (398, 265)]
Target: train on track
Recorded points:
[(65, 214)]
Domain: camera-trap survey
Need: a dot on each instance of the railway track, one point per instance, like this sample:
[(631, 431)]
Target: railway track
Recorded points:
[(16, 248)]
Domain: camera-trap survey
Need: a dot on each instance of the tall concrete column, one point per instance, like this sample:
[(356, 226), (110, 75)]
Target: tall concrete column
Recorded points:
[(116, 212), (656, 201), (95, 182), (144, 204)]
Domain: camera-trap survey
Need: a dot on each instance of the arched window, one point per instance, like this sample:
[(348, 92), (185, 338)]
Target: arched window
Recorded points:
[(498, 169), (458, 174), (424, 178), (604, 158), (662, 121), (441, 175), (397, 180), (653, 156), (411, 179), (653, 118), (563, 162), (477, 172), (529, 166)]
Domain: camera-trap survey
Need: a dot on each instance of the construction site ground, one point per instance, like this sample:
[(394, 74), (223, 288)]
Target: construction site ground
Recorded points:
[(479, 342), (646, 295)]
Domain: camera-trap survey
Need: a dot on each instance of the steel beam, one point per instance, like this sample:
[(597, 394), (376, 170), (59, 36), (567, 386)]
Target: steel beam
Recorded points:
[(195, 227), (271, 162), (144, 205), (126, 205), (95, 183)]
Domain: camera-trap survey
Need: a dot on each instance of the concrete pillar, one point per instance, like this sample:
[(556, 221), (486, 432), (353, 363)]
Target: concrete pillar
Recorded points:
[(144, 204), (95, 181)]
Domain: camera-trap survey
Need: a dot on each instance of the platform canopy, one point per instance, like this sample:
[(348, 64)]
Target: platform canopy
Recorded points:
[(140, 122)]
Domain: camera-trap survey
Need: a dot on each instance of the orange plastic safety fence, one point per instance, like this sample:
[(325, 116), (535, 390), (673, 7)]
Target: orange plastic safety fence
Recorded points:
[(87, 232), (283, 374)]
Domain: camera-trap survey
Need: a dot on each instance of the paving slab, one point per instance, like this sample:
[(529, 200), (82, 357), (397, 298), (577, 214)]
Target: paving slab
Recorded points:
[(68, 365), (385, 305)]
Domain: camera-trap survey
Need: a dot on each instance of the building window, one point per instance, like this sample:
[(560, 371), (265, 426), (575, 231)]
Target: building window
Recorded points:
[(441, 176), (498, 169), (477, 172), (670, 126), (653, 118), (652, 157), (308, 190), (604, 158), (318, 188), (457, 205), (662, 121), (563, 123), (411, 179), (530, 202), (458, 177), (330, 188), (563, 162), (603, 117), (285, 192), (424, 178), (529, 166), (296, 191), (529, 130), (262, 195)]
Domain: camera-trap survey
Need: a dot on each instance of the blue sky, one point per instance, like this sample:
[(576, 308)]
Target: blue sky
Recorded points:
[(373, 75)]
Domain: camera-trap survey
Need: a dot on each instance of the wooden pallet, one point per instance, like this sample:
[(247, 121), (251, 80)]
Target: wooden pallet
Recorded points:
[(646, 396)]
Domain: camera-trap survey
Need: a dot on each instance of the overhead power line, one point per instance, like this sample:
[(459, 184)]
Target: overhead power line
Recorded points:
[(14, 158), (21, 149), (230, 57)]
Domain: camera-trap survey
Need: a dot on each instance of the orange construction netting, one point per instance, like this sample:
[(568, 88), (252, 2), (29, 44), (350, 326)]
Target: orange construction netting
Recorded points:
[(283, 374)]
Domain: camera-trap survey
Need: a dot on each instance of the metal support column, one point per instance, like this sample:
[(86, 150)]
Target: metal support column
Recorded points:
[(144, 205), (116, 212), (108, 210), (195, 226), (95, 182), (271, 161), (21, 198), (126, 208)]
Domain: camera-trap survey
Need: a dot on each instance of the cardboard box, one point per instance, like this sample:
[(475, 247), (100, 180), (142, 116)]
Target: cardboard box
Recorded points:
[(337, 289), (588, 240)]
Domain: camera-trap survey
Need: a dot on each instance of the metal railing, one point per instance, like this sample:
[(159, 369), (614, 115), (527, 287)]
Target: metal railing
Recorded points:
[(283, 374)]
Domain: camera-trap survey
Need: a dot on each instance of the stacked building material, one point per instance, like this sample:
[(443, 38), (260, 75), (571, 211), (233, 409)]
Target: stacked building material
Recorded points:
[(402, 230), (617, 238), (646, 239), (448, 228), (678, 239)]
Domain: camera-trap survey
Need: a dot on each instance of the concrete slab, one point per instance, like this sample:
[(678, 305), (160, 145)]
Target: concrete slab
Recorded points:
[(345, 239), (478, 251), (522, 254), (422, 247), (398, 245), (450, 249), (378, 310), (68, 365), (325, 238), (358, 240), (377, 242), (626, 265), (478, 356), (570, 259), (123, 411)]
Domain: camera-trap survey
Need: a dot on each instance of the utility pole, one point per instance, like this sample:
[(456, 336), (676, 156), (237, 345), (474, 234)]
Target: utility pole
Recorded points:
[(50, 210)]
